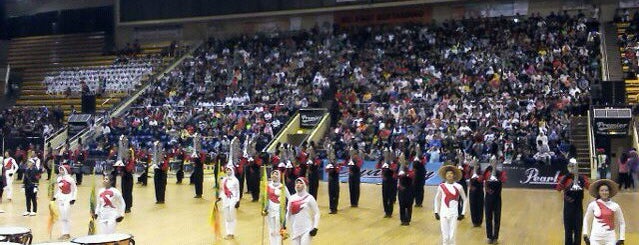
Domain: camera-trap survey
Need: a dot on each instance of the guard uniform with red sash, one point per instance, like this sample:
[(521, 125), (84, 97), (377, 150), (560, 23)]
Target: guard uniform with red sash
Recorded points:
[(354, 179), (492, 201)]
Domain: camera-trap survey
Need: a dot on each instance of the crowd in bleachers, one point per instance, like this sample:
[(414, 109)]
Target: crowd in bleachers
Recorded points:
[(629, 42), (30, 122), (498, 86), (123, 76), (238, 87)]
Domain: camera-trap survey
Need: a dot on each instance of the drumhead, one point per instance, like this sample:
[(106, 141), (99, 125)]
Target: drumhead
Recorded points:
[(9, 243), (56, 243), (98, 239), (13, 230)]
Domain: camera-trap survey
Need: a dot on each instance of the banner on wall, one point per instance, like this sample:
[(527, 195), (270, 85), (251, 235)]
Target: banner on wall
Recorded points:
[(309, 118), (372, 175), (628, 4), (612, 126), (538, 177)]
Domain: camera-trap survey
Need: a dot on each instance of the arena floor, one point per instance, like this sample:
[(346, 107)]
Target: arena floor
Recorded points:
[(528, 217)]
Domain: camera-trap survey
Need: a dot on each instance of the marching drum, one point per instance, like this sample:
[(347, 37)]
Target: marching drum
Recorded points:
[(16, 234), (9, 243), (106, 239), (56, 243)]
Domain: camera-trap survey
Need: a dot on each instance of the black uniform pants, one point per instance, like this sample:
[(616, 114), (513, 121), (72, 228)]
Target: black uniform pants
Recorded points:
[(333, 195), (476, 201), (159, 180), (493, 216), (31, 199), (127, 190), (573, 219), (388, 197), (353, 189)]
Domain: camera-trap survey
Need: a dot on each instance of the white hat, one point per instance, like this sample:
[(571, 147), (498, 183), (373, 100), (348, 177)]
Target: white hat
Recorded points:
[(289, 164), (351, 163), (118, 163), (329, 166), (250, 159), (309, 162), (573, 160), (281, 165), (385, 165)]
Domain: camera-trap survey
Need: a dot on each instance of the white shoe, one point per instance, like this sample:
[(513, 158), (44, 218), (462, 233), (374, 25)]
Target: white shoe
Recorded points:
[(1, 211), (25, 213), (32, 213)]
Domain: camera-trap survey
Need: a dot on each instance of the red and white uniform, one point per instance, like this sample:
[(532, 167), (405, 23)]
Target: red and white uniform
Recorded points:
[(606, 218), (230, 195), (446, 205), (302, 216), (274, 191), (11, 167), (66, 191), (109, 207)]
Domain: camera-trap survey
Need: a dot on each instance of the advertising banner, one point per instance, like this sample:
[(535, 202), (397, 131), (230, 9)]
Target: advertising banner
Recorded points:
[(309, 118)]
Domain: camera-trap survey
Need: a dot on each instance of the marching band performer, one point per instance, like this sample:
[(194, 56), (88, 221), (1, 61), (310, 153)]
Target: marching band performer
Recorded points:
[(31, 177), (573, 186), (389, 187), (354, 178), (274, 191), (10, 168), (447, 202), (493, 182), (230, 197), (405, 194), (65, 196), (419, 167), (79, 156), (303, 214), (127, 180), (313, 175), (463, 165), (606, 216), (333, 186), (160, 167), (198, 172), (109, 208), (476, 195)]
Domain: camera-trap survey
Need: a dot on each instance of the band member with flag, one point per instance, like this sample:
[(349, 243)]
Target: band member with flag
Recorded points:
[(405, 194), (493, 182), (230, 196), (573, 185), (10, 168), (476, 194), (605, 216), (109, 208), (289, 176), (274, 191), (160, 167), (303, 214), (65, 196), (447, 202)]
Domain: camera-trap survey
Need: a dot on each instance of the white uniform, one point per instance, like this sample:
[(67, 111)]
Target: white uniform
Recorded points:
[(302, 216), (274, 192), (230, 195), (446, 205), (66, 191), (606, 218), (11, 167), (109, 207)]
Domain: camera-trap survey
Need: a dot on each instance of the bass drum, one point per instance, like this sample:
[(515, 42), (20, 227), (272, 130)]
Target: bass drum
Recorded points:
[(106, 239)]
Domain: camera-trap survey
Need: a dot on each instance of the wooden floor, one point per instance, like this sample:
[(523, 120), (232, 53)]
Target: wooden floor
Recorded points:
[(528, 217)]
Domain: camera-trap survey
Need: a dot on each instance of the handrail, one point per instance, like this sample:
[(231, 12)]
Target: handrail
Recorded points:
[(591, 149), (279, 134), (605, 72)]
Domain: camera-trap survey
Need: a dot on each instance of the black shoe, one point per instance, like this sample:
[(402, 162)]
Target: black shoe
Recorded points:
[(127, 211), (353, 206), (418, 205), (405, 223), (198, 196), (476, 225), (387, 216), (332, 212), (159, 202), (254, 200)]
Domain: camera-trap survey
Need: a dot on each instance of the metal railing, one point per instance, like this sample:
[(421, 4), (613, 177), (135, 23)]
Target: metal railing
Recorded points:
[(591, 148), (605, 74)]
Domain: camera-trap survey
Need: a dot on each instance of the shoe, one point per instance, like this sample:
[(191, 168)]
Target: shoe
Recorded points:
[(26, 213), (32, 213), (229, 237), (353, 206), (159, 202), (64, 237), (418, 205), (198, 196), (387, 216), (476, 225), (332, 212), (127, 211)]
